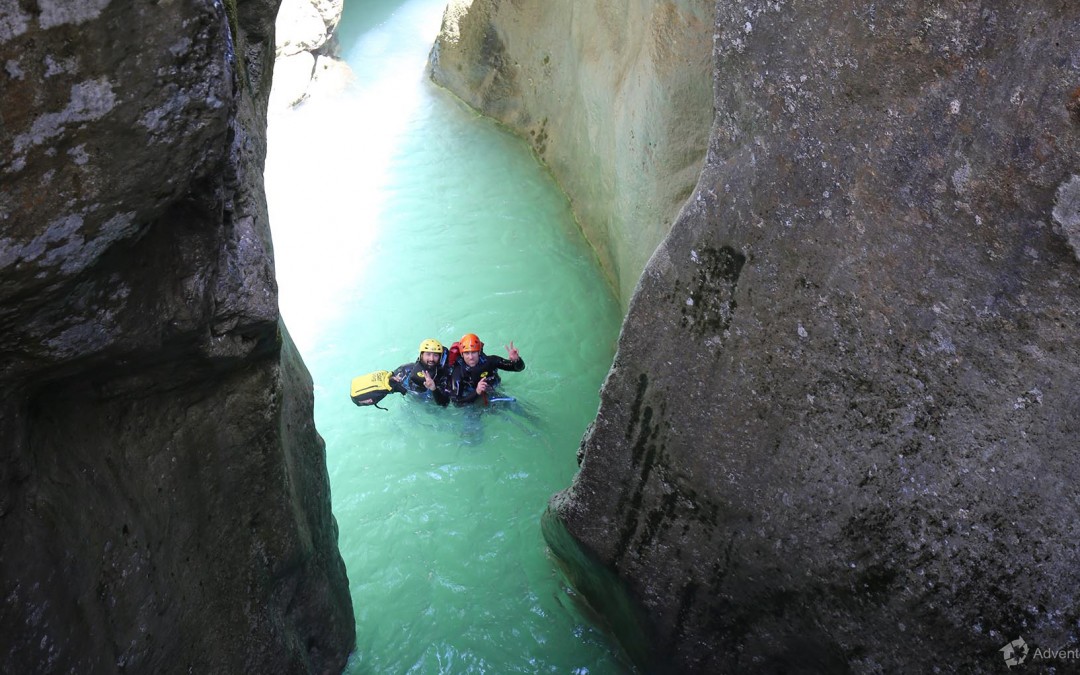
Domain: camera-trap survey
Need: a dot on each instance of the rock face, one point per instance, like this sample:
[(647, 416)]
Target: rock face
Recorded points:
[(164, 503), (840, 430), (305, 49), (616, 101)]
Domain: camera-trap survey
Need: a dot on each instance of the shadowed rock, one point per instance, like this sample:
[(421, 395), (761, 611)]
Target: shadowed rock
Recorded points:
[(164, 503)]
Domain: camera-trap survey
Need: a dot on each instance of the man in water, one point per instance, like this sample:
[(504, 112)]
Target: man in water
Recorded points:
[(422, 375), (475, 373)]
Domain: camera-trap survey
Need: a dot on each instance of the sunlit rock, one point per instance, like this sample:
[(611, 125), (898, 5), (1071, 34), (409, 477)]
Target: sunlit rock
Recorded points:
[(616, 102), (292, 77), (306, 25), (306, 48)]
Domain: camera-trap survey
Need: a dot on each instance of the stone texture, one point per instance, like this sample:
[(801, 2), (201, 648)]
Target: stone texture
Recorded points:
[(306, 25), (840, 430), (1067, 212), (293, 75), (164, 503), (306, 48), (615, 100)]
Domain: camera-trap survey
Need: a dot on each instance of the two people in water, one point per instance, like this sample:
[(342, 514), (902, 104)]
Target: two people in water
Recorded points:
[(462, 375)]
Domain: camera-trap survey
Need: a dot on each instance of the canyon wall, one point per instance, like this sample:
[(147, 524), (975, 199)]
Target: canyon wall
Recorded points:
[(839, 432), (615, 99), (164, 502), (306, 49)]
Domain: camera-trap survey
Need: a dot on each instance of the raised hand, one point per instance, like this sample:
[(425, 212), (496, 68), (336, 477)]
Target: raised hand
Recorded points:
[(512, 351)]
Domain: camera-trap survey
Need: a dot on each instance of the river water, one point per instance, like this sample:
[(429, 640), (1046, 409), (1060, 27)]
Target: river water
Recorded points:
[(398, 214)]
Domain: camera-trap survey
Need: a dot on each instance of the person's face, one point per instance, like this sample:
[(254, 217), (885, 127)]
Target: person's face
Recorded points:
[(471, 358), (429, 358)]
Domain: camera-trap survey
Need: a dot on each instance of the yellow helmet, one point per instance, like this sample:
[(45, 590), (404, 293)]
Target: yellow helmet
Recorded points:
[(431, 345)]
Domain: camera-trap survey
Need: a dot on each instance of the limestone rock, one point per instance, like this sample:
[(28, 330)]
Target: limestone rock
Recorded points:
[(330, 77), (616, 102), (306, 47), (840, 430), (306, 25), (1067, 212), (164, 503), (292, 77)]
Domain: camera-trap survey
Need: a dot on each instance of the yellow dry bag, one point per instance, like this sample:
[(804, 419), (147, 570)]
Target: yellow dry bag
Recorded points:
[(371, 388)]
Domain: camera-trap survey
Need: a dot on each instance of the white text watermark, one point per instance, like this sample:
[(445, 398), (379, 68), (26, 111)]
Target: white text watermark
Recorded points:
[(1017, 652)]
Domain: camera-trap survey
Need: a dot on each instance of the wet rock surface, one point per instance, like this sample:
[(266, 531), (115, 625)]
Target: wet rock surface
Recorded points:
[(164, 503)]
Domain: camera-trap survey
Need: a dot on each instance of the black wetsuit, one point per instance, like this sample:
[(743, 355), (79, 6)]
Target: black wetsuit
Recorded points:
[(459, 384), (412, 379)]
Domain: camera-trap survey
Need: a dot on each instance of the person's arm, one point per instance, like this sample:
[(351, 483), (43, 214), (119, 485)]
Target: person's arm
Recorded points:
[(396, 381), (419, 378), (440, 396), (443, 387), (432, 384), (517, 364), (506, 364)]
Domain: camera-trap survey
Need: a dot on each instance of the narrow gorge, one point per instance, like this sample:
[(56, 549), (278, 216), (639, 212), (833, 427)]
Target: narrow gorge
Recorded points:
[(838, 434)]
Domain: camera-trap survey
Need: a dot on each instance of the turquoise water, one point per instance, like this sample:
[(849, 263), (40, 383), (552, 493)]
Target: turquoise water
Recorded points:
[(398, 214)]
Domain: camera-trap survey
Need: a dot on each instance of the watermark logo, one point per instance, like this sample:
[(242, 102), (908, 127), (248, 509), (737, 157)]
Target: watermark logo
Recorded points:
[(1015, 653)]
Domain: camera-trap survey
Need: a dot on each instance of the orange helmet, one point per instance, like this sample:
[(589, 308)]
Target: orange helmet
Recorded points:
[(470, 343)]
